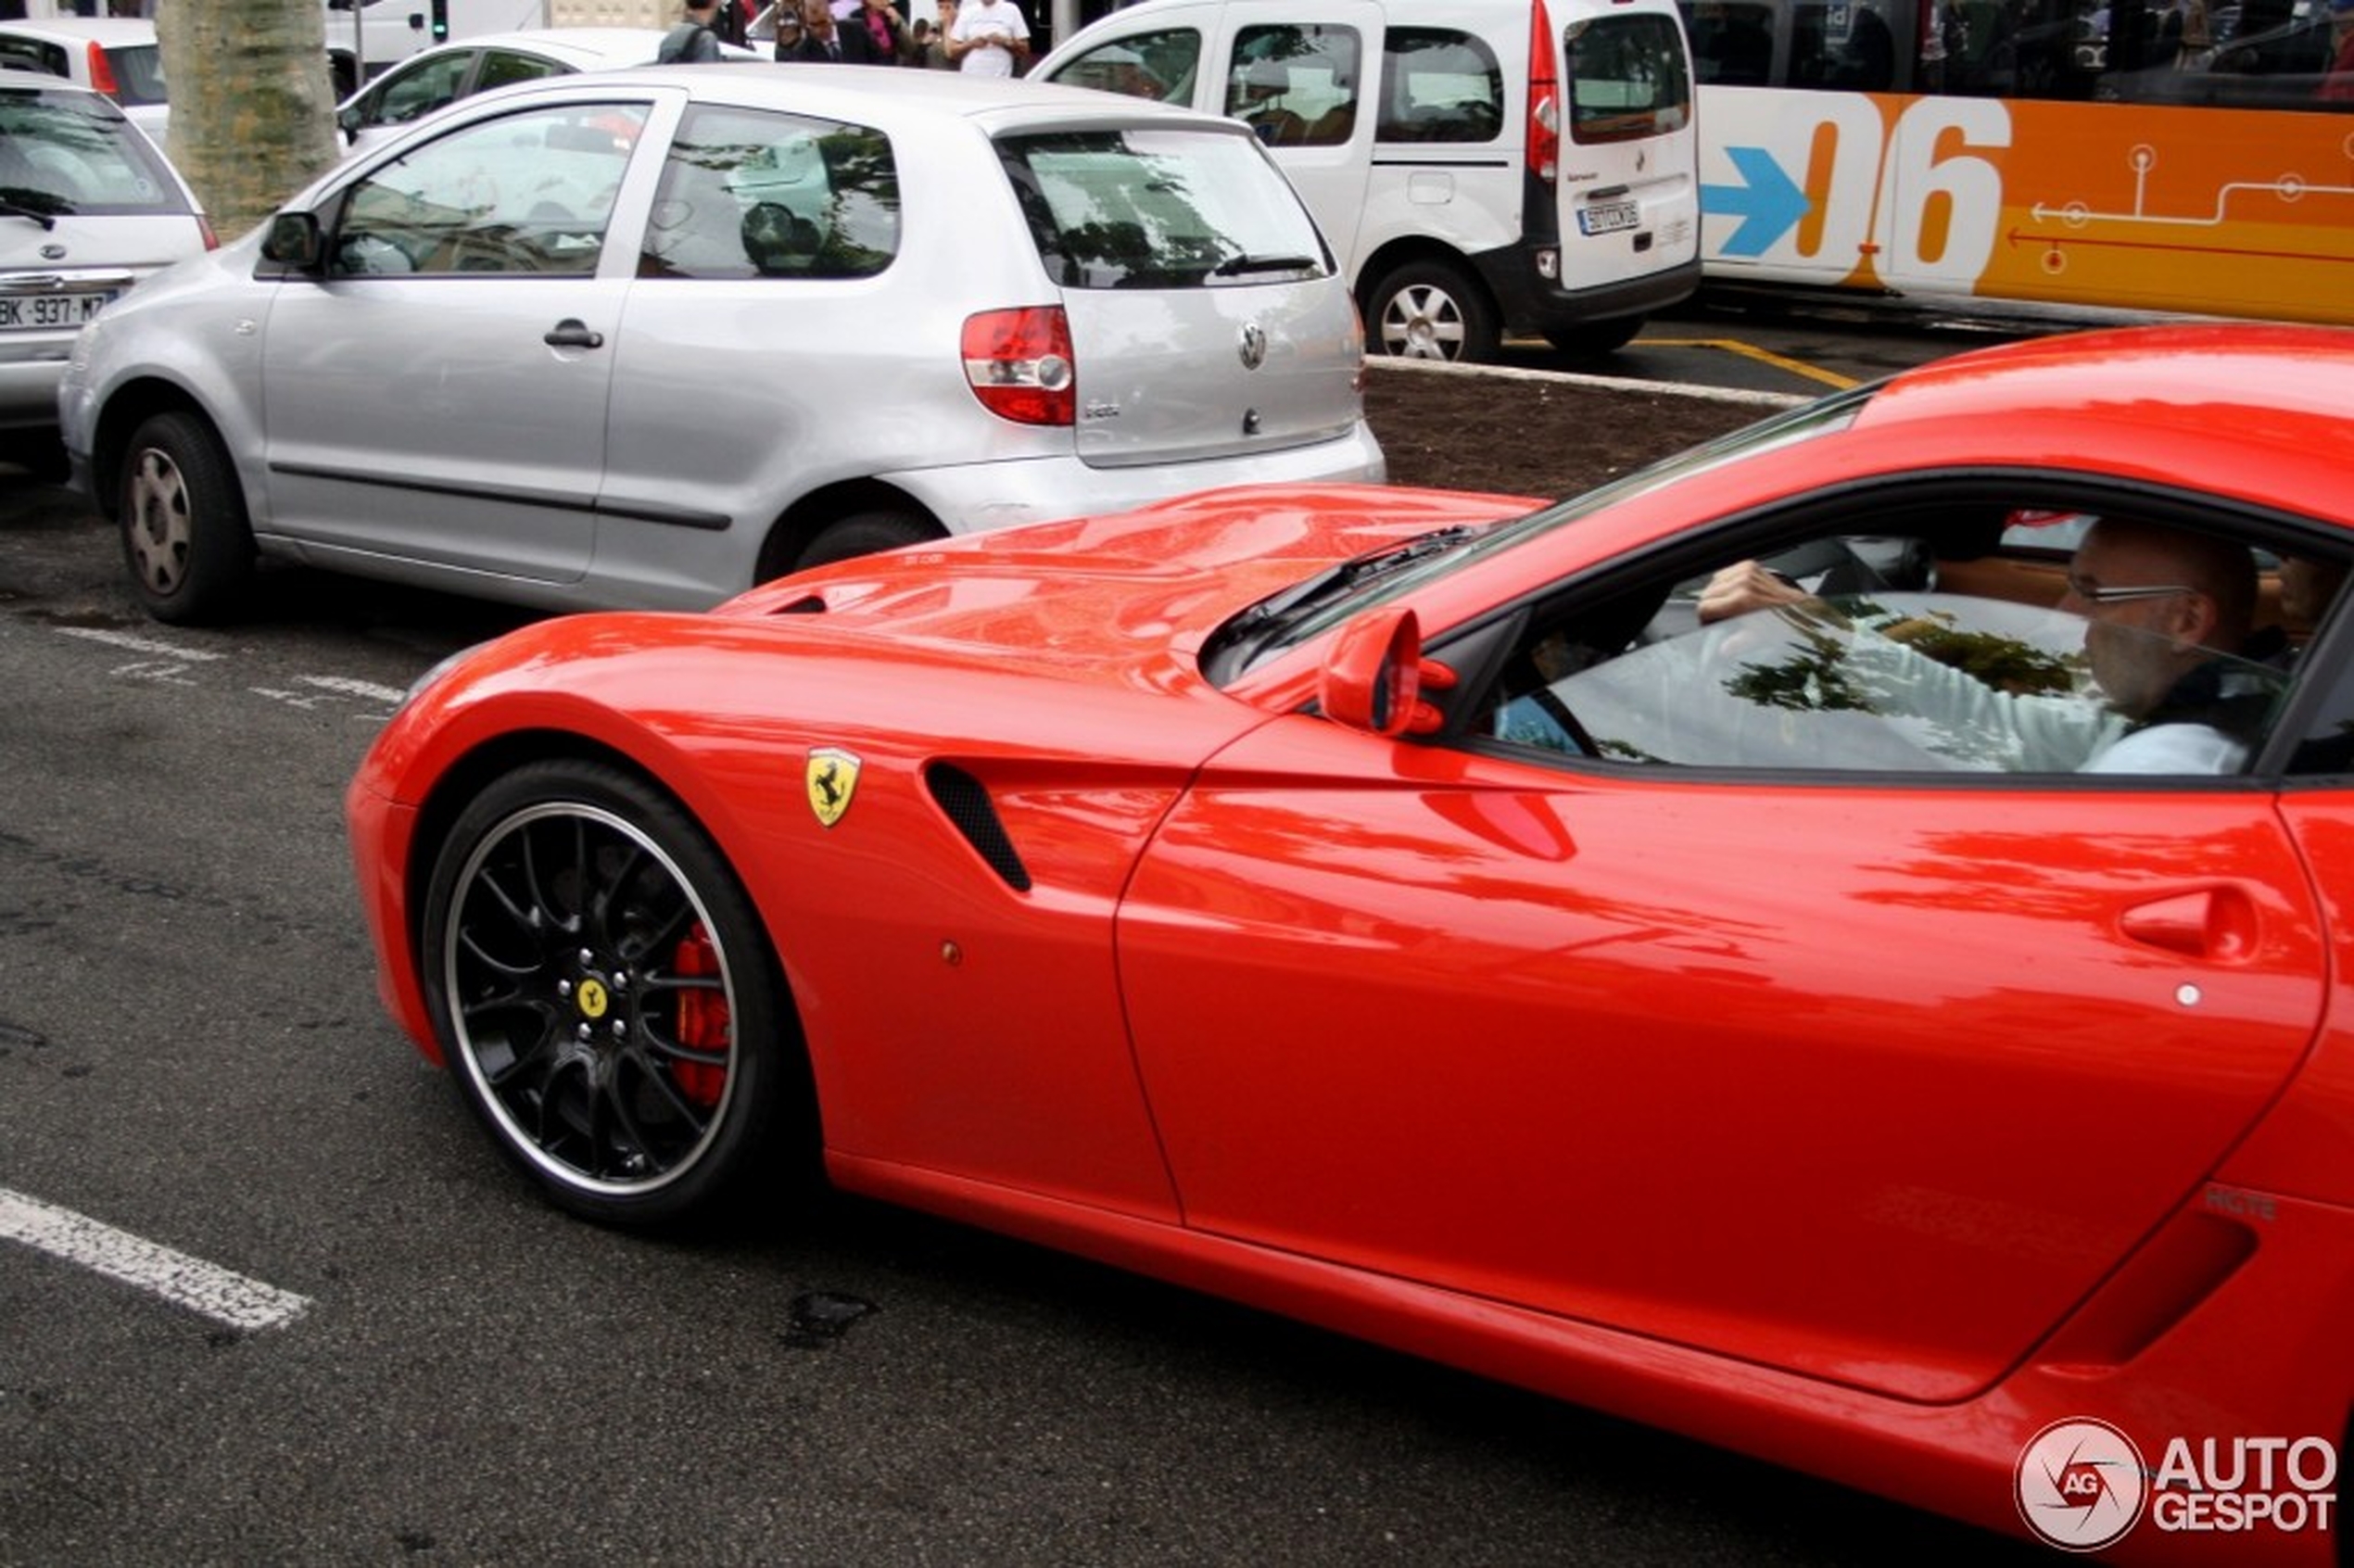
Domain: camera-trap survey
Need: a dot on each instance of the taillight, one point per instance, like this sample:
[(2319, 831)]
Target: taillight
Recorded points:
[(211, 240), (101, 71), (1544, 84), (1018, 363)]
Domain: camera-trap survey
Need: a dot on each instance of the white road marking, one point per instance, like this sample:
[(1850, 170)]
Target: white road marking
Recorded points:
[(183, 1280), (138, 644), (352, 687)]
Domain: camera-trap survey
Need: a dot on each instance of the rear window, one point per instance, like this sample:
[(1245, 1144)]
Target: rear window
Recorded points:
[(1626, 78), (138, 73), (1151, 207), (66, 153)]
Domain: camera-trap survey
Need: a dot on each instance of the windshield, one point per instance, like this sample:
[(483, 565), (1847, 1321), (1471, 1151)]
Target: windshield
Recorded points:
[(1308, 609)]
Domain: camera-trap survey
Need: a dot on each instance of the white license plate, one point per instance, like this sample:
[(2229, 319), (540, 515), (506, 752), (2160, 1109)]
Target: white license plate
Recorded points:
[(1609, 218), (32, 312)]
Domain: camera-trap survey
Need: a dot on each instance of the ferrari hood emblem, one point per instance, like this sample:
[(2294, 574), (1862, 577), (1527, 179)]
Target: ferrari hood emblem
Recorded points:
[(832, 779)]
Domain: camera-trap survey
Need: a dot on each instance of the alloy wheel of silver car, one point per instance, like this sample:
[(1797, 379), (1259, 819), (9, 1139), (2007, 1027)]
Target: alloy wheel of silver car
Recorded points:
[(185, 533)]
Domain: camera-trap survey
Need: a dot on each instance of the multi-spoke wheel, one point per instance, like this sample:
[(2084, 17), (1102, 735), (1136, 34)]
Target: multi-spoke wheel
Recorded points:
[(185, 533), (1432, 310), (604, 994)]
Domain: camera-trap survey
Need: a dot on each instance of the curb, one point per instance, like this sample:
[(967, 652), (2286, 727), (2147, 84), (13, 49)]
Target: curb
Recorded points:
[(1590, 382)]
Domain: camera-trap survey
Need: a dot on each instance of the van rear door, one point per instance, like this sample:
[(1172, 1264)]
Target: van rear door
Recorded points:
[(1627, 155), (1206, 317)]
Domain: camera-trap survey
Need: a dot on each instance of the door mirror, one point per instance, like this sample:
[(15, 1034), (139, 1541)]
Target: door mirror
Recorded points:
[(1373, 677), (293, 240)]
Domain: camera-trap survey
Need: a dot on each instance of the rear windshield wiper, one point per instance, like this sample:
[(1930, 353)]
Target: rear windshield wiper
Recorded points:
[(1235, 266), (11, 205)]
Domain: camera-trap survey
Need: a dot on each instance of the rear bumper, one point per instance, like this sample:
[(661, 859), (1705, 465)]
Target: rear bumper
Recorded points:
[(1529, 302)]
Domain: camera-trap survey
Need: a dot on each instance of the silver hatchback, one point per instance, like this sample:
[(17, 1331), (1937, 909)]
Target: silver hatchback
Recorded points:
[(87, 209), (647, 337)]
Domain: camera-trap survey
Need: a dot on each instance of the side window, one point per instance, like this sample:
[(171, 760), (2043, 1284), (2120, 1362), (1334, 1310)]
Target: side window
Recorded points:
[(418, 90), (747, 193), (1160, 66), (1441, 86), (501, 66), (1732, 42), (1297, 85), (2150, 649), (1842, 44), (528, 193)]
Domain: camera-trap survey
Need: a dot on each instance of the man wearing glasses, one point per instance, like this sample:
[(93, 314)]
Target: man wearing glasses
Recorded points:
[(2165, 612)]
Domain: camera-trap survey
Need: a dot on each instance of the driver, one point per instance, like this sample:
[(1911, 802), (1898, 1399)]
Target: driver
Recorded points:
[(2161, 607)]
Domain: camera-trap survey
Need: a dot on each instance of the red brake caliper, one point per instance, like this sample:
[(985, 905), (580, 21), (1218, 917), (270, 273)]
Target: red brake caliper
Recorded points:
[(702, 1020)]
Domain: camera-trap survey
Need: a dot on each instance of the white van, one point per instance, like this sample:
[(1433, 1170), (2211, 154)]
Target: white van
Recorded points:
[(1479, 166)]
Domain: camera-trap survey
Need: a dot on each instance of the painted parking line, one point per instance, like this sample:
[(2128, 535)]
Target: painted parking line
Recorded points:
[(1751, 353), (192, 1282)]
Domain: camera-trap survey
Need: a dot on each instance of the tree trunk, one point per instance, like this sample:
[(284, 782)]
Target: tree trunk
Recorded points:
[(252, 112)]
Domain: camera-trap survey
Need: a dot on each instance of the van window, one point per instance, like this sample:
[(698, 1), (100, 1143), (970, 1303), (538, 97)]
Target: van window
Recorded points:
[(1159, 209), (1626, 78), (1443, 86), (1296, 85), (1160, 66)]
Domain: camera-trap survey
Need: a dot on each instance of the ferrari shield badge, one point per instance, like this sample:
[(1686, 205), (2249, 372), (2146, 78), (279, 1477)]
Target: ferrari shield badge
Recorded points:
[(832, 779)]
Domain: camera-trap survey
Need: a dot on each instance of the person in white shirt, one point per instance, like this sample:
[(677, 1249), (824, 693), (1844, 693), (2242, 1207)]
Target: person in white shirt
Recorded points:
[(2163, 609), (989, 38)]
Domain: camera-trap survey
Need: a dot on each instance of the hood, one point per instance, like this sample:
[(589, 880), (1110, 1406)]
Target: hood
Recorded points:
[(1095, 593)]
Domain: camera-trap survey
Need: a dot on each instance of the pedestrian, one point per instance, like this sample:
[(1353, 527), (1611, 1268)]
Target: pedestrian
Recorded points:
[(990, 38), (728, 25), (694, 41), (821, 40), (874, 35), (786, 43), (935, 50)]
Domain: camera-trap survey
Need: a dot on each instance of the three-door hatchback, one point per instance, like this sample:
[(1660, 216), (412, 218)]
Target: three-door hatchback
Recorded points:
[(87, 209), (647, 337)]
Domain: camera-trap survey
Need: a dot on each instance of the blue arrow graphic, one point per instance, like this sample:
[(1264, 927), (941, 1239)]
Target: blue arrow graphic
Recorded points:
[(1767, 202)]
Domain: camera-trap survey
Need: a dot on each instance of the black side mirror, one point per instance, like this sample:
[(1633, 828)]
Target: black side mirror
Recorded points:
[(295, 241)]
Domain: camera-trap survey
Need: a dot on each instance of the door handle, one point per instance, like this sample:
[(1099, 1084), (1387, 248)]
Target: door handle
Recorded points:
[(2215, 923), (573, 333)]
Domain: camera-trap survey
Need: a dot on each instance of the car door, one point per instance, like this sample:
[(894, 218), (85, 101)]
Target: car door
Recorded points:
[(1868, 1076), (439, 395)]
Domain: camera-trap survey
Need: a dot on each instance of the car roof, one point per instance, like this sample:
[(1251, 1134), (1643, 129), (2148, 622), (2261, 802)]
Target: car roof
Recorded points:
[(29, 82), (624, 46), (114, 32), (884, 98)]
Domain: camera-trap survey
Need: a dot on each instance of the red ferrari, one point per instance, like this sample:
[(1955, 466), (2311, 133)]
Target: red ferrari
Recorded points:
[(1832, 944)]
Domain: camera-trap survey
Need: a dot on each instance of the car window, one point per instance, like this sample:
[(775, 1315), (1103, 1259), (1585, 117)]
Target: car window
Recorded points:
[(1159, 66), (749, 193), (501, 66), (1295, 84), (417, 91), (528, 193), (1626, 78), (1933, 650), (1441, 86), (138, 73), (1160, 207), (67, 154)]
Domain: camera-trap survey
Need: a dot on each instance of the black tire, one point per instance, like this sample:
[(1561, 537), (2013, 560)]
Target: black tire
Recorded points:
[(1593, 339), (1430, 310), (607, 1000), (186, 537), (864, 533)]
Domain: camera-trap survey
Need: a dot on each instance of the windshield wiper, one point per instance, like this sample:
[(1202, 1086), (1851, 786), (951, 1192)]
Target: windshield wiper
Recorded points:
[(12, 207), (1235, 266), (1266, 621)]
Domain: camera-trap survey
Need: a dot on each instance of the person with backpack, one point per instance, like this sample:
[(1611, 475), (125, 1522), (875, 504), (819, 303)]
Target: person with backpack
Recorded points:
[(694, 41)]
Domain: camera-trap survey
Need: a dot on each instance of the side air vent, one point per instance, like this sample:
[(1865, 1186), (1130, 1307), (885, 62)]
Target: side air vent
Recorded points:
[(968, 805), (808, 604)]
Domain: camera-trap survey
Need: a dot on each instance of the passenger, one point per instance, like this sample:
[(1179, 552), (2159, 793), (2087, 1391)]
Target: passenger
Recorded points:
[(2166, 614)]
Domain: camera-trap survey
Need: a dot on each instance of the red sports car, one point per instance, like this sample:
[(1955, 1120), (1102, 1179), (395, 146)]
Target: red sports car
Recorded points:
[(1837, 943)]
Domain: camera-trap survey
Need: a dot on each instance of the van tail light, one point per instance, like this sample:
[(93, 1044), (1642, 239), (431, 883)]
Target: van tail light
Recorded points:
[(1544, 97), (101, 71), (1020, 365)]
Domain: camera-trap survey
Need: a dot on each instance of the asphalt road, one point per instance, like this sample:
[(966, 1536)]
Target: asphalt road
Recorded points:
[(192, 1056)]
